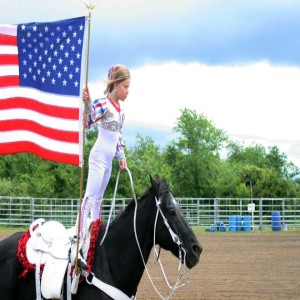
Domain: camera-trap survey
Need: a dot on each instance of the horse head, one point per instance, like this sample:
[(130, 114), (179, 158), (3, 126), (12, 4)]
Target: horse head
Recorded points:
[(175, 234)]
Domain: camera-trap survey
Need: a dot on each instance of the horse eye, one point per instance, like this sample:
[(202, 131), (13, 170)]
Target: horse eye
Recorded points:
[(171, 212)]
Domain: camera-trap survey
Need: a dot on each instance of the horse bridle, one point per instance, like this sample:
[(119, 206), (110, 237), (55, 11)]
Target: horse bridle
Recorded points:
[(174, 236), (181, 256)]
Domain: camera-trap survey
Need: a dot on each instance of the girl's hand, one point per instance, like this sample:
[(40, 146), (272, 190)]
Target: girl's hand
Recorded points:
[(123, 164), (86, 96)]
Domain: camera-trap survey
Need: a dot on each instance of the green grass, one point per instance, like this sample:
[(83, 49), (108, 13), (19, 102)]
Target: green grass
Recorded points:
[(198, 229), (10, 229)]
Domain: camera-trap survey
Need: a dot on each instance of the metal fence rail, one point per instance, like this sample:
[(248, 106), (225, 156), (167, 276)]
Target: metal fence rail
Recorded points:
[(203, 212)]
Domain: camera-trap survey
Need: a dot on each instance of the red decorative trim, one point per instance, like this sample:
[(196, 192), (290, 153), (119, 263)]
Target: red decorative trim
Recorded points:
[(93, 240), (115, 105), (21, 255)]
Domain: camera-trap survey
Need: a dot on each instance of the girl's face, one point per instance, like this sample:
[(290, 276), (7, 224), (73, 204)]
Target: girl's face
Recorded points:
[(123, 89)]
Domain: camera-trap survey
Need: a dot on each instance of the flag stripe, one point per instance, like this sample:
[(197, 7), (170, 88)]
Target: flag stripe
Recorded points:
[(44, 120), (8, 59), (50, 110), (17, 147), (9, 80), (46, 98), (9, 70), (8, 50), (56, 134), (8, 40), (9, 30), (42, 141)]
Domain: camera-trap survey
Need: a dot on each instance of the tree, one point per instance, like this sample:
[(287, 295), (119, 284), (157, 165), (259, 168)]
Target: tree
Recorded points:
[(251, 155), (198, 146), (277, 161)]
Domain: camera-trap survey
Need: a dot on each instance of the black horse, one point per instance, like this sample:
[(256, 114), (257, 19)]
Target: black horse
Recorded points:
[(118, 261)]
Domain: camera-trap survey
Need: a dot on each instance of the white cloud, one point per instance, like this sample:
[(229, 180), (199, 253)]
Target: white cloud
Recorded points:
[(253, 103)]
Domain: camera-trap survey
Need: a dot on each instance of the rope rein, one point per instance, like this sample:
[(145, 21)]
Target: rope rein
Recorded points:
[(112, 208), (182, 265)]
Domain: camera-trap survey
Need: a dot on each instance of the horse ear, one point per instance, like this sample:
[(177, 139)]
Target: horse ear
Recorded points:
[(151, 179)]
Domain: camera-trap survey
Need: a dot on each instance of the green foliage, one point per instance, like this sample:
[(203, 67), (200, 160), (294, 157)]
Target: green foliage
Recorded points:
[(197, 152), (198, 133), (257, 155), (228, 181)]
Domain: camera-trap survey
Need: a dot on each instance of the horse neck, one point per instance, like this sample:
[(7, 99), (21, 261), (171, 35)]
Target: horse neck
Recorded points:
[(125, 259)]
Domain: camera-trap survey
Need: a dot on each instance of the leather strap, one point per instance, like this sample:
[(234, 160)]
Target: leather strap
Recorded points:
[(38, 276), (110, 290)]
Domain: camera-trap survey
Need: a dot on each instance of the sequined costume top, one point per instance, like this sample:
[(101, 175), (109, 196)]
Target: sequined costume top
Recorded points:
[(109, 118)]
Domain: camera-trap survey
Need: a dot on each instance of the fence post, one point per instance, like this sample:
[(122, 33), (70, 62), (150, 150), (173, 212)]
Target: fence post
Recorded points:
[(32, 209), (241, 207), (216, 216), (198, 212), (9, 212), (260, 215), (283, 212)]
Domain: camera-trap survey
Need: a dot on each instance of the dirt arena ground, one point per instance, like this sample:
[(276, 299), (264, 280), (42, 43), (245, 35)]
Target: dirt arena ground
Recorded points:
[(233, 266)]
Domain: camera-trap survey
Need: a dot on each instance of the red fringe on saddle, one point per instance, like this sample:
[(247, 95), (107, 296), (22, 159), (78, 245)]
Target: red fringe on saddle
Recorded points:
[(27, 266), (21, 255)]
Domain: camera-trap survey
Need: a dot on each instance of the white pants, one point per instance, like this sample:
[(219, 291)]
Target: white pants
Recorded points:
[(100, 166)]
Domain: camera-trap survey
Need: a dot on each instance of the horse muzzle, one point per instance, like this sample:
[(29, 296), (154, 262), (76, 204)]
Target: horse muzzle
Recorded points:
[(193, 256)]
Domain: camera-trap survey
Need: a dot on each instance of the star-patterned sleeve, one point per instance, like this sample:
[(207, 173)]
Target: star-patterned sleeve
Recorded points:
[(95, 111)]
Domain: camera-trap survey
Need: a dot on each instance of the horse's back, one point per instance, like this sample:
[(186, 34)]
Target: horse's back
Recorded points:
[(9, 245), (9, 265)]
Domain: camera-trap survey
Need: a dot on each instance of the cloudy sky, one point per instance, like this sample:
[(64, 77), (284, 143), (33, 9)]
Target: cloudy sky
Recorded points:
[(237, 62)]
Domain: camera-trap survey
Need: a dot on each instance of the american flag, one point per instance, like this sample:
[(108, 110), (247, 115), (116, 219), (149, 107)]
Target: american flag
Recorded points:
[(41, 82)]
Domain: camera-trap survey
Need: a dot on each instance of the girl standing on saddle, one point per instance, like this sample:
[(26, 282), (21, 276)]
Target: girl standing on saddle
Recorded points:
[(108, 114)]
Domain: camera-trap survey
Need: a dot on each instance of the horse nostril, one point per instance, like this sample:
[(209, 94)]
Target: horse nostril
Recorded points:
[(197, 249)]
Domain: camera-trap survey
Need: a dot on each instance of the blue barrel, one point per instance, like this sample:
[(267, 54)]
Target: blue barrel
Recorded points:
[(276, 223), (232, 223), (239, 223), (247, 223)]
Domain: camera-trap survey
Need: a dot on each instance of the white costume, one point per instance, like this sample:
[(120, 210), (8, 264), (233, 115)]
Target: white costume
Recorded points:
[(109, 118)]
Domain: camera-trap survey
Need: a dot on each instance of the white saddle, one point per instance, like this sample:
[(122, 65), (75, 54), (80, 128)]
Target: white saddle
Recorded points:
[(49, 244)]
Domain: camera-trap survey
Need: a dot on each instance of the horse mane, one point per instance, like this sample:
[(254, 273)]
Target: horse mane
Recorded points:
[(160, 185), (130, 204)]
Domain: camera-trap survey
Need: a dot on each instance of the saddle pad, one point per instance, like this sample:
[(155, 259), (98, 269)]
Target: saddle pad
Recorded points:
[(52, 279)]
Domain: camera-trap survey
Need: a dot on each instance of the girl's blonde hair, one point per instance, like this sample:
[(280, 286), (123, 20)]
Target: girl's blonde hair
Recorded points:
[(116, 73)]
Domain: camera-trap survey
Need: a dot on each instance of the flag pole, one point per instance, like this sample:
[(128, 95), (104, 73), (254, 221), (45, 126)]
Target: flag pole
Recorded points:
[(90, 7)]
